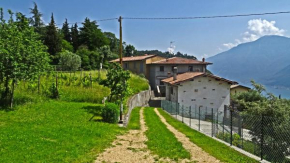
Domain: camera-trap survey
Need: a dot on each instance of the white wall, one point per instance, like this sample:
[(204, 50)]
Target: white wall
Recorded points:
[(211, 93)]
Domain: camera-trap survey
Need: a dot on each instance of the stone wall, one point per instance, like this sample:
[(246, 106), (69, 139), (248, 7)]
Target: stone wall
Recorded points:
[(140, 99)]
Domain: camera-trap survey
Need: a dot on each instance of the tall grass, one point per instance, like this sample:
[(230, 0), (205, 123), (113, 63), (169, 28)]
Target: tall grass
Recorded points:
[(160, 140)]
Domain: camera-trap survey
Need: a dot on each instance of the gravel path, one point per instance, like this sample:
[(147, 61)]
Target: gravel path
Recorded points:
[(131, 147), (197, 154)]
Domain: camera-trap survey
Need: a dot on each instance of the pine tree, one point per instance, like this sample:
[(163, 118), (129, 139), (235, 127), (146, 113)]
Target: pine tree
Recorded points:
[(91, 36), (52, 40), (75, 36), (66, 31), (35, 20)]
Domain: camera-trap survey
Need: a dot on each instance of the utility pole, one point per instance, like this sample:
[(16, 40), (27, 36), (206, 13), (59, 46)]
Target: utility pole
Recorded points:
[(121, 42)]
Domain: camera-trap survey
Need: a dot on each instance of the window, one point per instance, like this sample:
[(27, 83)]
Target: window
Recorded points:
[(171, 90), (196, 90), (126, 65), (190, 68), (162, 68), (161, 82), (135, 65)]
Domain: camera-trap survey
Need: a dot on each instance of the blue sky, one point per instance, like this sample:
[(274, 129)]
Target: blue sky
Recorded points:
[(202, 38)]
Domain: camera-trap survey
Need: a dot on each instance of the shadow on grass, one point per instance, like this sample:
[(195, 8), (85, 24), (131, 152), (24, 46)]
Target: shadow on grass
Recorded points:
[(96, 111)]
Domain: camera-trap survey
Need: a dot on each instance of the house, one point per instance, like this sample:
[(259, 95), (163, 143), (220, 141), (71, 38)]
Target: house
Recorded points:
[(157, 68), (138, 64), (239, 89), (163, 69), (198, 89)]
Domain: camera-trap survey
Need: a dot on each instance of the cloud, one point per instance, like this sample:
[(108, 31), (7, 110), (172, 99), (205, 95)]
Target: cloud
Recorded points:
[(256, 29)]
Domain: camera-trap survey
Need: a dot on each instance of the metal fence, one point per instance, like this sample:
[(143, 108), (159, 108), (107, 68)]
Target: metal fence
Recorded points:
[(265, 137)]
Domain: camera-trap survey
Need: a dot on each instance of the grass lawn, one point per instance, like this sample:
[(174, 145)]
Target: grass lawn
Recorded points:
[(209, 145), (53, 131), (160, 140), (134, 122)]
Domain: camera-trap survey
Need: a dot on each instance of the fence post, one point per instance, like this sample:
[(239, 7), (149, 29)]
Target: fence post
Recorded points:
[(262, 136), (176, 110), (190, 116), (212, 122), (199, 118), (231, 111), (182, 109), (217, 121), (171, 107), (91, 80)]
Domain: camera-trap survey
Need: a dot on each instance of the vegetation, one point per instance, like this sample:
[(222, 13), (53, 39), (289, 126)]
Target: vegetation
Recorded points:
[(22, 55), (110, 113), (209, 145), (134, 121), (260, 108), (69, 61), (53, 131), (160, 140)]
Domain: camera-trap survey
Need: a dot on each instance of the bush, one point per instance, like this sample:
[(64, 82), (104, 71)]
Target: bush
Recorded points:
[(110, 113)]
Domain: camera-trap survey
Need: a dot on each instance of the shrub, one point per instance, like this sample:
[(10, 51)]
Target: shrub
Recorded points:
[(110, 113)]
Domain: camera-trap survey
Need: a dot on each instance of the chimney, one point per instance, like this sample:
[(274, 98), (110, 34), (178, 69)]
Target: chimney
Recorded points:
[(169, 74), (174, 73), (203, 59)]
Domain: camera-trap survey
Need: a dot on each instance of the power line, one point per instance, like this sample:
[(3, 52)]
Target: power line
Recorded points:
[(188, 18), (207, 17)]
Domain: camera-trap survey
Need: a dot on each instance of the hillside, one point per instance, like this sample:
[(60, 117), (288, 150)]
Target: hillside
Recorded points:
[(262, 60)]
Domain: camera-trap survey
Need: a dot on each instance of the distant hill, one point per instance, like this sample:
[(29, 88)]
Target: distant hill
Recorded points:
[(266, 60), (164, 54)]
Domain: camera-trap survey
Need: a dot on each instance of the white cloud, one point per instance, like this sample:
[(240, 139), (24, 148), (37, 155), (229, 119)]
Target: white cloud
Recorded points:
[(256, 29)]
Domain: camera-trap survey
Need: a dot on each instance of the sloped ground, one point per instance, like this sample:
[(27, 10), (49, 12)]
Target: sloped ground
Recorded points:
[(131, 147)]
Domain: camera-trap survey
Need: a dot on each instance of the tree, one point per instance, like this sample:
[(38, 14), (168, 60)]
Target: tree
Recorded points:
[(117, 81), (130, 50), (75, 37), (106, 54), (69, 61), (114, 42), (90, 59), (91, 36), (36, 20), (53, 41), (66, 46), (66, 31), (22, 55)]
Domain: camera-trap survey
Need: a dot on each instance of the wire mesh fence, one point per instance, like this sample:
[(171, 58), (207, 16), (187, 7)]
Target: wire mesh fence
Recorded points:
[(263, 136)]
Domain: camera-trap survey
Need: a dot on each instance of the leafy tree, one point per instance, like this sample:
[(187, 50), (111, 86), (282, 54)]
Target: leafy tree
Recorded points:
[(66, 46), (66, 31), (117, 81), (52, 40), (75, 37), (91, 36), (22, 55), (90, 59), (114, 42), (130, 50), (106, 55), (69, 61)]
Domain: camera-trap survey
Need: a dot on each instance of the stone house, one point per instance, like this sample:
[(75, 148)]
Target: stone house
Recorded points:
[(239, 89)]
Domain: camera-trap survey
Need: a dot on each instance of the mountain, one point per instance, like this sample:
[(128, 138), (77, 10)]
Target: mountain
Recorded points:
[(263, 60)]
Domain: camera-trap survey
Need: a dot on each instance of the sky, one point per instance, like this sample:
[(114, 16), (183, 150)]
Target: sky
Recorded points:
[(198, 37)]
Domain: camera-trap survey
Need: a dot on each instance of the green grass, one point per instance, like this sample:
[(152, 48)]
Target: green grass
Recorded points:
[(134, 121), (53, 131), (160, 140), (209, 145)]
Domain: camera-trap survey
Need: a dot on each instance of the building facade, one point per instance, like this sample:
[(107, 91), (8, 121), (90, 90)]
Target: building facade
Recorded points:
[(198, 89)]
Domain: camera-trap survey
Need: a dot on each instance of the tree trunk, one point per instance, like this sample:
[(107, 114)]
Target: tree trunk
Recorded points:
[(12, 94)]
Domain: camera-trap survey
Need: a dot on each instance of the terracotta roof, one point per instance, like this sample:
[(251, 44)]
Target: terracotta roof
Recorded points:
[(191, 75), (133, 58), (235, 86), (179, 60)]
